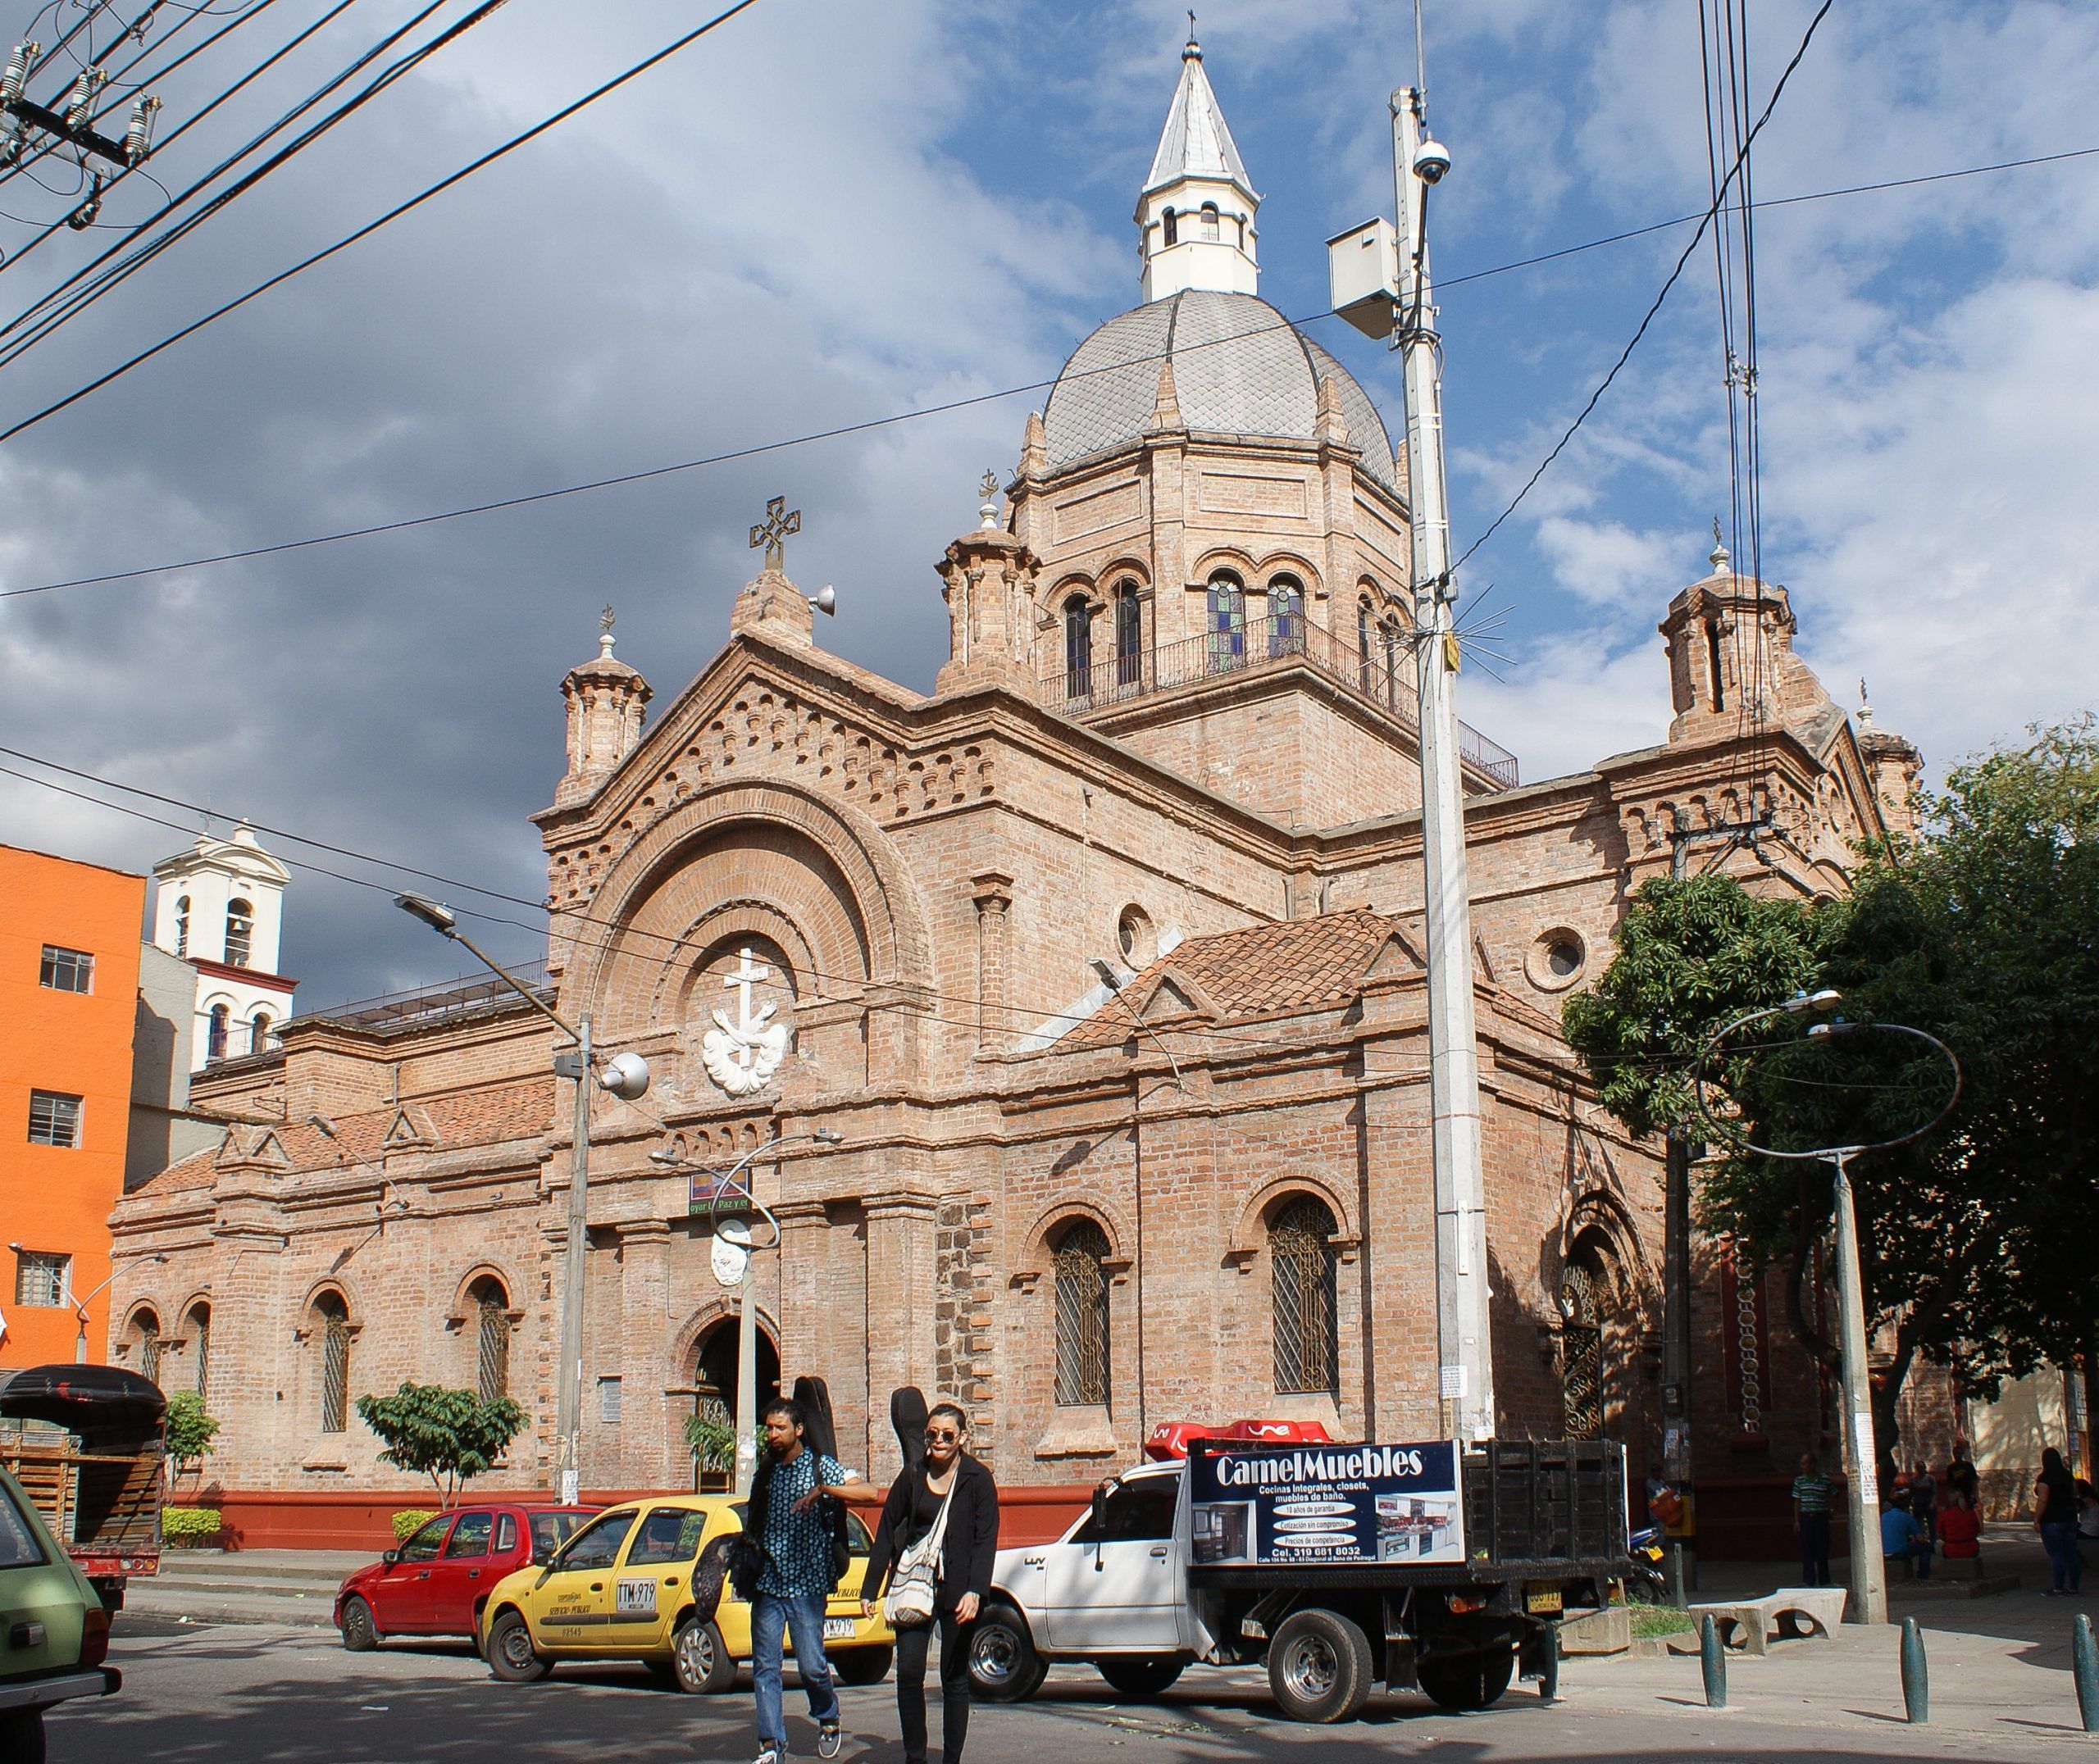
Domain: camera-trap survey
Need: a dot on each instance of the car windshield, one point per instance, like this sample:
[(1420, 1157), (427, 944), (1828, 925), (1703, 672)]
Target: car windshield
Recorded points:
[(551, 1530), (19, 1546)]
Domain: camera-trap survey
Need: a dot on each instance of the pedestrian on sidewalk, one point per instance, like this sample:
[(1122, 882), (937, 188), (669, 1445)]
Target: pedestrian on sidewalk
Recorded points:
[(1901, 1540), (1923, 1500), (798, 1569), (1962, 1477), (950, 1503), (2054, 1517), (1960, 1530), (1811, 1496)]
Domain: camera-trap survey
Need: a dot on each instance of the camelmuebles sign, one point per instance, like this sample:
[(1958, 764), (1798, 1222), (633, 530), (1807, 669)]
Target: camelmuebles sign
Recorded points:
[(1276, 1505)]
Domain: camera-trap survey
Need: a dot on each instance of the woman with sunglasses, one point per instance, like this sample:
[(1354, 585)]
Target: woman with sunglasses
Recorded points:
[(909, 1513)]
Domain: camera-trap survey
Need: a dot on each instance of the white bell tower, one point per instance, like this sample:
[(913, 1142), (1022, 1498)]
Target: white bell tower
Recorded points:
[(1195, 216), (220, 906)]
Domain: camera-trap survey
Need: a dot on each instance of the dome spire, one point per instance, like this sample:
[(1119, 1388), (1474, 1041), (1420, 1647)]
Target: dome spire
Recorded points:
[(1196, 215)]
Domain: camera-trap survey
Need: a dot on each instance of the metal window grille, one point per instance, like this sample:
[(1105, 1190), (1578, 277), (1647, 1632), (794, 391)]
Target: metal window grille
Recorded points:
[(1078, 649), (41, 1279), (492, 1362), (149, 1350), (201, 1323), (1081, 1316), (608, 1401), (67, 969), (334, 1369), (1581, 1355), (54, 1119), (1129, 636), (1305, 1285)]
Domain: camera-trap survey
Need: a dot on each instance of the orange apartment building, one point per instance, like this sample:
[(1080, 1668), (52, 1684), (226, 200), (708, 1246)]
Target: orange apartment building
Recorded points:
[(69, 999)]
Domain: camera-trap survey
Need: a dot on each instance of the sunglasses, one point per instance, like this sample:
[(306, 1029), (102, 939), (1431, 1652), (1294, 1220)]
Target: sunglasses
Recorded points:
[(941, 1435)]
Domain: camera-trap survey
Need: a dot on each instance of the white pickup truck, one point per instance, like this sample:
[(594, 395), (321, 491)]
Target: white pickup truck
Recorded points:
[(1338, 1570)]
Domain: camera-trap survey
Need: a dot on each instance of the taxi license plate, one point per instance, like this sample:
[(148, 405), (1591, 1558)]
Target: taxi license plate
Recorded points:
[(838, 1629), (635, 1599), (1541, 1601)]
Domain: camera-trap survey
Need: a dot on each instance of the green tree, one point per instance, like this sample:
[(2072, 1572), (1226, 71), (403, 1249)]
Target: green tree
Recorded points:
[(190, 1431), (451, 1436), (1983, 931)]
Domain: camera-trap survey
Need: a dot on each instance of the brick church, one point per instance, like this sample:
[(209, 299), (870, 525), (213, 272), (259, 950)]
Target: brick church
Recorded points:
[(1104, 960)]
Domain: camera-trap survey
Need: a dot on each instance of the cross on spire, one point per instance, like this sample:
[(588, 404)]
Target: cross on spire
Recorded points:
[(772, 532)]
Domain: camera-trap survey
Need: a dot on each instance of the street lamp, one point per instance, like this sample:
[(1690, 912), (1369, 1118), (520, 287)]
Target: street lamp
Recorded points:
[(625, 1077), (737, 1232), (80, 1304), (1869, 1600)]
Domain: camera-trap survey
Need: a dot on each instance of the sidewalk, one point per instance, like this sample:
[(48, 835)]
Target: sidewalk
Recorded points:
[(294, 1587)]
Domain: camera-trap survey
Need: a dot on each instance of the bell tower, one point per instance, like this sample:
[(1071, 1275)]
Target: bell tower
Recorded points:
[(606, 699), (1195, 214)]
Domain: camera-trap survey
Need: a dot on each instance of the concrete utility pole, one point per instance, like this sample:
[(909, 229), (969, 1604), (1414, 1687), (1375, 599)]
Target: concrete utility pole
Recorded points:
[(1464, 1336)]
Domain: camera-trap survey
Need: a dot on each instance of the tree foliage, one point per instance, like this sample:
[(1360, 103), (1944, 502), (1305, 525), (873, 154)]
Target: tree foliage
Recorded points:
[(190, 1431), (1975, 1241), (451, 1436)]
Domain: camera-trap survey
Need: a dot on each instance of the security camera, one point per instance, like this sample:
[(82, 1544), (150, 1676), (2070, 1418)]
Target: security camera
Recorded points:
[(1432, 159), (625, 1075)]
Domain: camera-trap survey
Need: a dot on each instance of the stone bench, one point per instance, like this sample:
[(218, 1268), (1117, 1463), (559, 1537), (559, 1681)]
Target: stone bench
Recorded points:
[(1795, 1612)]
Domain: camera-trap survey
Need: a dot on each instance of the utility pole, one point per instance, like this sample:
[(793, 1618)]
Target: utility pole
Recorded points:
[(1463, 1338), (1861, 1467), (23, 121), (569, 1397)]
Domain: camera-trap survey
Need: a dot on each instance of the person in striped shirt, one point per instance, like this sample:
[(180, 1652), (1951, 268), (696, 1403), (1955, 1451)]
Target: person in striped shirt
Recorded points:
[(1811, 1493)]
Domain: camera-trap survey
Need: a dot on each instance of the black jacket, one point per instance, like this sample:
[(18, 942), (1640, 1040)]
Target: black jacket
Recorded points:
[(966, 1552)]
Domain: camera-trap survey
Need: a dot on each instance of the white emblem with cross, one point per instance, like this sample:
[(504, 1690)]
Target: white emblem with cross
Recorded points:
[(742, 1056)]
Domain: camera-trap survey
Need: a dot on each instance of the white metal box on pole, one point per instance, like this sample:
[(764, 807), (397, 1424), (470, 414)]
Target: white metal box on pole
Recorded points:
[(1363, 276)]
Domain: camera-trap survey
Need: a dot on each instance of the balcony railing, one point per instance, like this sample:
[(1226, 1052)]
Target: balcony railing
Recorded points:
[(1385, 678)]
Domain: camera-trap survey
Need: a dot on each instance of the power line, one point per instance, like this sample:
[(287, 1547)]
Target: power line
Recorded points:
[(760, 448), (392, 213)]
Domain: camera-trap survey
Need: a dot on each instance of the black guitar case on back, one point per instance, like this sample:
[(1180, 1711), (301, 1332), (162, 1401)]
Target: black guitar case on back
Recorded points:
[(906, 1415), (821, 1434)]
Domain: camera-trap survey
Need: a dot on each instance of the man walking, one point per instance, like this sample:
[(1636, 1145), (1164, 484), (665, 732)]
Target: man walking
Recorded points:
[(797, 1571), (1811, 1491)]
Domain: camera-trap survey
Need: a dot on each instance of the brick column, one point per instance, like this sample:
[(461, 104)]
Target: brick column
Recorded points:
[(903, 1268), (649, 1443), (993, 893)]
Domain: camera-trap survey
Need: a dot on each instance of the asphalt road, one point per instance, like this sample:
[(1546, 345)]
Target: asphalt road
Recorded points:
[(231, 1694)]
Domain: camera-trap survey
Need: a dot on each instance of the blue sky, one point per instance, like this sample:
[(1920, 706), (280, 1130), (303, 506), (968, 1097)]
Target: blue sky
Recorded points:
[(827, 212)]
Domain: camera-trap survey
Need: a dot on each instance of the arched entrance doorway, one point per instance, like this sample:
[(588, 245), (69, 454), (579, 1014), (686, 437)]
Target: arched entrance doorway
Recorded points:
[(714, 1373)]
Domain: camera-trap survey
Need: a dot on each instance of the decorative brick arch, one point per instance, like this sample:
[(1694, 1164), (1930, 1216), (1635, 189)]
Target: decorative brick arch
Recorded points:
[(703, 1320), (486, 1271), (1230, 558), (1073, 1204), (1250, 1232), (1598, 1217), (1296, 565)]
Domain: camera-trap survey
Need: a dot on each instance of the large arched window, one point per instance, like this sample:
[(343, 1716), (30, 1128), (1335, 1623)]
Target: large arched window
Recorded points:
[(200, 1333), (1129, 636), (490, 1316), (1227, 621), (1286, 617), (258, 1033), (215, 1042), (182, 926), (1304, 1285), (1078, 647), (1081, 1253), (331, 1330), (240, 932), (1365, 663), (146, 1328)]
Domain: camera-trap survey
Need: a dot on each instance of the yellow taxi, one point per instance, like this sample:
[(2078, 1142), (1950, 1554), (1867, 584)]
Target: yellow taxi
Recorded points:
[(621, 1589)]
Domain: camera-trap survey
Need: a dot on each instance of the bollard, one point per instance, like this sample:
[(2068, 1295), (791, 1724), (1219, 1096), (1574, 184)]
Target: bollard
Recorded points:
[(1549, 1666), (2084, 1665), (1916, 1680), (1712, 1663)]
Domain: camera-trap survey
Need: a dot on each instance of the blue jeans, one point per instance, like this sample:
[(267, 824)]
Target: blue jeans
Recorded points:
[(773, 1613), (1920, 1553), (2065, 1566)]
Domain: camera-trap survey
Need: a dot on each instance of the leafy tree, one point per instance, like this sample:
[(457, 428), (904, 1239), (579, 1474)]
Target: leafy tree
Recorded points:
[(190, 1431), (713, 1438), (1984, 931), (451, 1436)]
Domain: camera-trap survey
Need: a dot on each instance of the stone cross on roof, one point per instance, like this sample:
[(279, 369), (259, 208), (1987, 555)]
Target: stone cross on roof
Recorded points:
[(772, 532)]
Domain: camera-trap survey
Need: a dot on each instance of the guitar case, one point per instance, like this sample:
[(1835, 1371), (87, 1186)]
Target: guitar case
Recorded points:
[(821, 1434), (907, 1414)]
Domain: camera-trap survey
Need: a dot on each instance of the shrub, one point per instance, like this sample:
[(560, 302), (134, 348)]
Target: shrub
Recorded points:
[(451, 1436), (407, 1522), (190, 1527), (190, 1430)]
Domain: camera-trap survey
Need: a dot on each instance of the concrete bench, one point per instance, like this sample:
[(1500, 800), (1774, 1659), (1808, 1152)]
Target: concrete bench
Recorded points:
[(1795, 1612)]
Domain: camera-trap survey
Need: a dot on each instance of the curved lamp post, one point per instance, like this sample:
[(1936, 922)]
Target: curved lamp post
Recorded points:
[(737, 1232), (80, 1304), (1869, 1600)]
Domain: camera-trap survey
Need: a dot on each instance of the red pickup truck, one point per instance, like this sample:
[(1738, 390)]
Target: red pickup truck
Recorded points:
[(434, 1583)]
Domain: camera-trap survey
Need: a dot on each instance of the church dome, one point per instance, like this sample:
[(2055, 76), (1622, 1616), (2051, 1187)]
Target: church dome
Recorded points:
[(1240, 368)]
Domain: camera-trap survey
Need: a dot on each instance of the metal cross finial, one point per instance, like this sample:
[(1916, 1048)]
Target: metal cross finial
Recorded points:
[(772, 532), (605, 619), (988, 484), (1716, 530)]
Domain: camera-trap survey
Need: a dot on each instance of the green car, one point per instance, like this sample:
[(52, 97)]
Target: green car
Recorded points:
[(54, 1633)]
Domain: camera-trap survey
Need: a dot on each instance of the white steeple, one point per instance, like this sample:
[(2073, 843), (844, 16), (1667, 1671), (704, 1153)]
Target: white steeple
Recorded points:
[(1195, 216)]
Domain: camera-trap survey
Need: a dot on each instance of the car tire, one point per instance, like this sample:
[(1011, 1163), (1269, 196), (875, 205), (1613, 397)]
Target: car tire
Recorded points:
[(360, 1628), (1004, 1667), (700, 1660), (1141, 1677), (1319, 1666), (1468, 1678), (512, 1656), (862, 1666), (21, 1736)]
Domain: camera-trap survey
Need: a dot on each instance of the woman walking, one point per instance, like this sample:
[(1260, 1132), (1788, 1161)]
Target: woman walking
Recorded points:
[(2055, 1518), (947, 1508)]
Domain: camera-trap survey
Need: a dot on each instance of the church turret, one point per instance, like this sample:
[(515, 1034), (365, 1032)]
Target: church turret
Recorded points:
[(1195, 216), (1894, 764), (988, 580), (606, 699), (219, 906)]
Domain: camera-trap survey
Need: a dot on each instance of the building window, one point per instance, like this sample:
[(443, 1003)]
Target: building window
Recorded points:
[(1172, 224), (1208, 232), (54, 1119), (331, 1317), (240, 932), (214, 1040), (1227, 622), (1713, 663), (66, 970), (200, 1330), (1129, 636), (182, 926), (258, 1033), (1285, 617), (1081, 1260), (1363, 661), (42, 1280), (491, 1339), (146, 1327), (1304, 1282), (608, 1401), (1389, 638), (1581, 1353), (1078, 648)]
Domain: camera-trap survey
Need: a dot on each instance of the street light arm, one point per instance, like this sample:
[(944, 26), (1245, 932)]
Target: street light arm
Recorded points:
[(519, 987)]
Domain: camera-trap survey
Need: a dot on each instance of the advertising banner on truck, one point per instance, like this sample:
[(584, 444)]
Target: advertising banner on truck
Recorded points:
[(1278, 1506)]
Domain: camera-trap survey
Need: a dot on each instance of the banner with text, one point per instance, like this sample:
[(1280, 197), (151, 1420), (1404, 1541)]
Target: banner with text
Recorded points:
[(1276, 1505)]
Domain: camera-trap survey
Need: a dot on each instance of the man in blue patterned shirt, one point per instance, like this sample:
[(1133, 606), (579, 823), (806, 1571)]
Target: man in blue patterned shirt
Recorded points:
[(787, 1522)]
